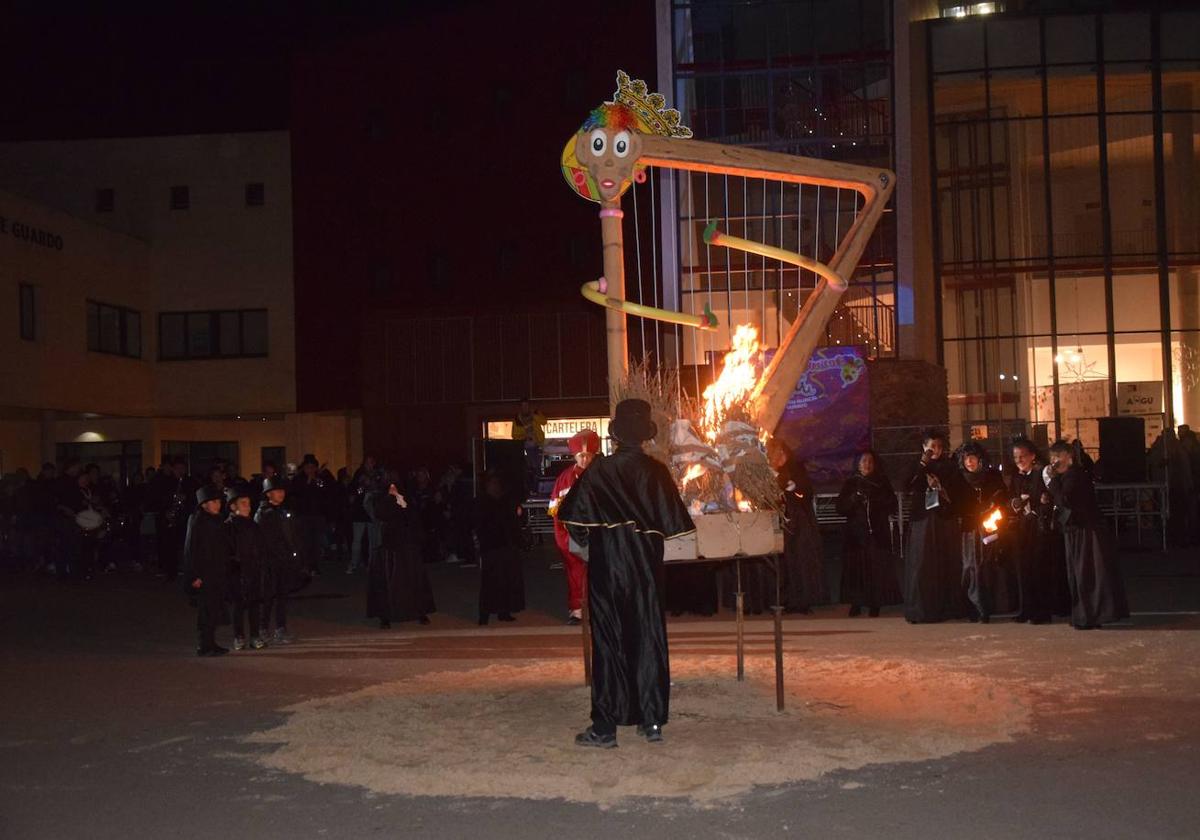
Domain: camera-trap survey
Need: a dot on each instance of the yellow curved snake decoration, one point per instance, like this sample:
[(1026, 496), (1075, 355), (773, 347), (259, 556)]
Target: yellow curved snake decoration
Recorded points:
[(596, 292)]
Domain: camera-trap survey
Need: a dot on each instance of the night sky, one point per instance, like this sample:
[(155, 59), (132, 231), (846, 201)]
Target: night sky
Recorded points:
[(131, 69)]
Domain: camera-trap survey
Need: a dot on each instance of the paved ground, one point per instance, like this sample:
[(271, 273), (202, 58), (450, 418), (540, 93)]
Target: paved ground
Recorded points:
[(109, 729)]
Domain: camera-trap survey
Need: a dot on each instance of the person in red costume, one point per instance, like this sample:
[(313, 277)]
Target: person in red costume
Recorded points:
[(585, 446)]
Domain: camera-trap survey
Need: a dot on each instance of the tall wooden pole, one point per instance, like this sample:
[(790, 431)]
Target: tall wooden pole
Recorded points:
[(614, 273)]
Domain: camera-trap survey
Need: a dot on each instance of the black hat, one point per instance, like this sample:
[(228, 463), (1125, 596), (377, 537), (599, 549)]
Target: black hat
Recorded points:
[(309, 458), (275, 482), (208, 493), (631, 422), (238, 491)]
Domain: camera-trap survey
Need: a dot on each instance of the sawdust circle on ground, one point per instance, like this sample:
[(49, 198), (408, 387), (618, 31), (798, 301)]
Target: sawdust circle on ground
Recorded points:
[(507, 730)]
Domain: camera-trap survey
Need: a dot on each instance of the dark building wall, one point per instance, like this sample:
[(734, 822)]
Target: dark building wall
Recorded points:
[(426, 178)]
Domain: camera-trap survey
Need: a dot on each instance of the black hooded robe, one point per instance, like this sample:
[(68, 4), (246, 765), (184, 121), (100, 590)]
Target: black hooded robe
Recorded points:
[(933, 562), (868, 563), (1093, 572), (621, 509), (398, 588)]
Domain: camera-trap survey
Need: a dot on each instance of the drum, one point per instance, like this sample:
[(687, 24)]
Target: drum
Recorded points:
[(90, 521)]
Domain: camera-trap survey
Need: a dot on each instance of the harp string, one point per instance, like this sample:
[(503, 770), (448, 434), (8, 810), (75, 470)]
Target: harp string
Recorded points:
[(637, 248)]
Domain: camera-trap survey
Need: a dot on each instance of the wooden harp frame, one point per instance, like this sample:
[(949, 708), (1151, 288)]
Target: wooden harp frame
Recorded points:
[(771, 394)]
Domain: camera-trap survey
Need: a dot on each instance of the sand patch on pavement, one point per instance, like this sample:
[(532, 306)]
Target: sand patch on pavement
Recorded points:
[(507, 730)]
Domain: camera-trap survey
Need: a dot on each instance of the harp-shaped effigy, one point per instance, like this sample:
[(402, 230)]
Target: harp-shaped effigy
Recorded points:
[(771, 216)]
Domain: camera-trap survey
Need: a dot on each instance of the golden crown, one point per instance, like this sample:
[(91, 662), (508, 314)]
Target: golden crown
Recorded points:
[(650, 107)]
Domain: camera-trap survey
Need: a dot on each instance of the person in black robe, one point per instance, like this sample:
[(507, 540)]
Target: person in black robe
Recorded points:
[(250, 580), (803, 586), (620, 512), (398, 588), (1035, 541), (933, 563), (206, 556), (868, 563), (985, 491), (282, 549), (498, 530), (1093, 570)]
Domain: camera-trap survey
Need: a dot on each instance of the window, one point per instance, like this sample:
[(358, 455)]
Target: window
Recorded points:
[(181, 198), (219, 334), (200, 454), (29, 312), (114, 329), (105, 200), (256, 195)]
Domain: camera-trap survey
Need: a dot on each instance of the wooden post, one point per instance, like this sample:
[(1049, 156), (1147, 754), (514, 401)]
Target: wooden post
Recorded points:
[(778, 610), (614, 273), (741, 634)]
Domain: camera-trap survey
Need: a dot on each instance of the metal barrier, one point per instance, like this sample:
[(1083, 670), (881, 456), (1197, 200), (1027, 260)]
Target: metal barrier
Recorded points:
[(1137, 502), (825, 509), (538, 522)]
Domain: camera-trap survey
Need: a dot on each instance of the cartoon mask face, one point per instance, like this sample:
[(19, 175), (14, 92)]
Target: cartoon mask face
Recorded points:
[(609, 157)]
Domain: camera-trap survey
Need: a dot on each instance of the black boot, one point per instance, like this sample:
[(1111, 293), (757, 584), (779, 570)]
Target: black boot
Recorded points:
[(855, 611)]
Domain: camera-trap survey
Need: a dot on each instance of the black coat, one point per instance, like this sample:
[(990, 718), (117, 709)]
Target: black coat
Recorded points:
[(868, 563), (933, 561), (398, 588), (501, 579), (989, 584), (206, 555), (1093, 571), (1035, 543), (803, 583), (251, 570), (280, 546), (621, 509)]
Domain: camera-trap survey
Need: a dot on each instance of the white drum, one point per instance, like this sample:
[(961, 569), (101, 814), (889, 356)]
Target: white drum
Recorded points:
[(89, 520)]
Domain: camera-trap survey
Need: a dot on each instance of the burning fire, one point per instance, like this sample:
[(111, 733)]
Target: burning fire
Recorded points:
[(739, 375), (694, 472), (991, 523), (743, 504)]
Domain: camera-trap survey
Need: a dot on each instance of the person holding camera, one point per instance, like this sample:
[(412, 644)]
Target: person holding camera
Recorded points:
[(1093, 572), (933, 564), (868, 563)]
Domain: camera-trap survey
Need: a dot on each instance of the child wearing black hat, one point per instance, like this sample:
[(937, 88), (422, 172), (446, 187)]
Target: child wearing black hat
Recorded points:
[(206, 559), (250, 582)]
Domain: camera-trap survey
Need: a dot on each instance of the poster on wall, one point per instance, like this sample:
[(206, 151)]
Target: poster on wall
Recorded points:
[(1080, 405), (828, 418), (1145, 400)]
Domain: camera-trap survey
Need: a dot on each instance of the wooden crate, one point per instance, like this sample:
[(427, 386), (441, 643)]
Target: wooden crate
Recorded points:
[(727, 535)]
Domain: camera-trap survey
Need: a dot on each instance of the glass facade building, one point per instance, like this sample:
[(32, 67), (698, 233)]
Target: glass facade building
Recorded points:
[(804, 77), (1066, 242)]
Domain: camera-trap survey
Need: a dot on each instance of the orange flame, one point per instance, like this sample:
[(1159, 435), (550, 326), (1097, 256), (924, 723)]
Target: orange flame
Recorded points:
[(739, 375), (694, 472), (992, 523), (743, 504)]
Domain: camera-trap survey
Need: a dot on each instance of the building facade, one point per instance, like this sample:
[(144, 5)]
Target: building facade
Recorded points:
[(150, 283), (1064, 159)]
